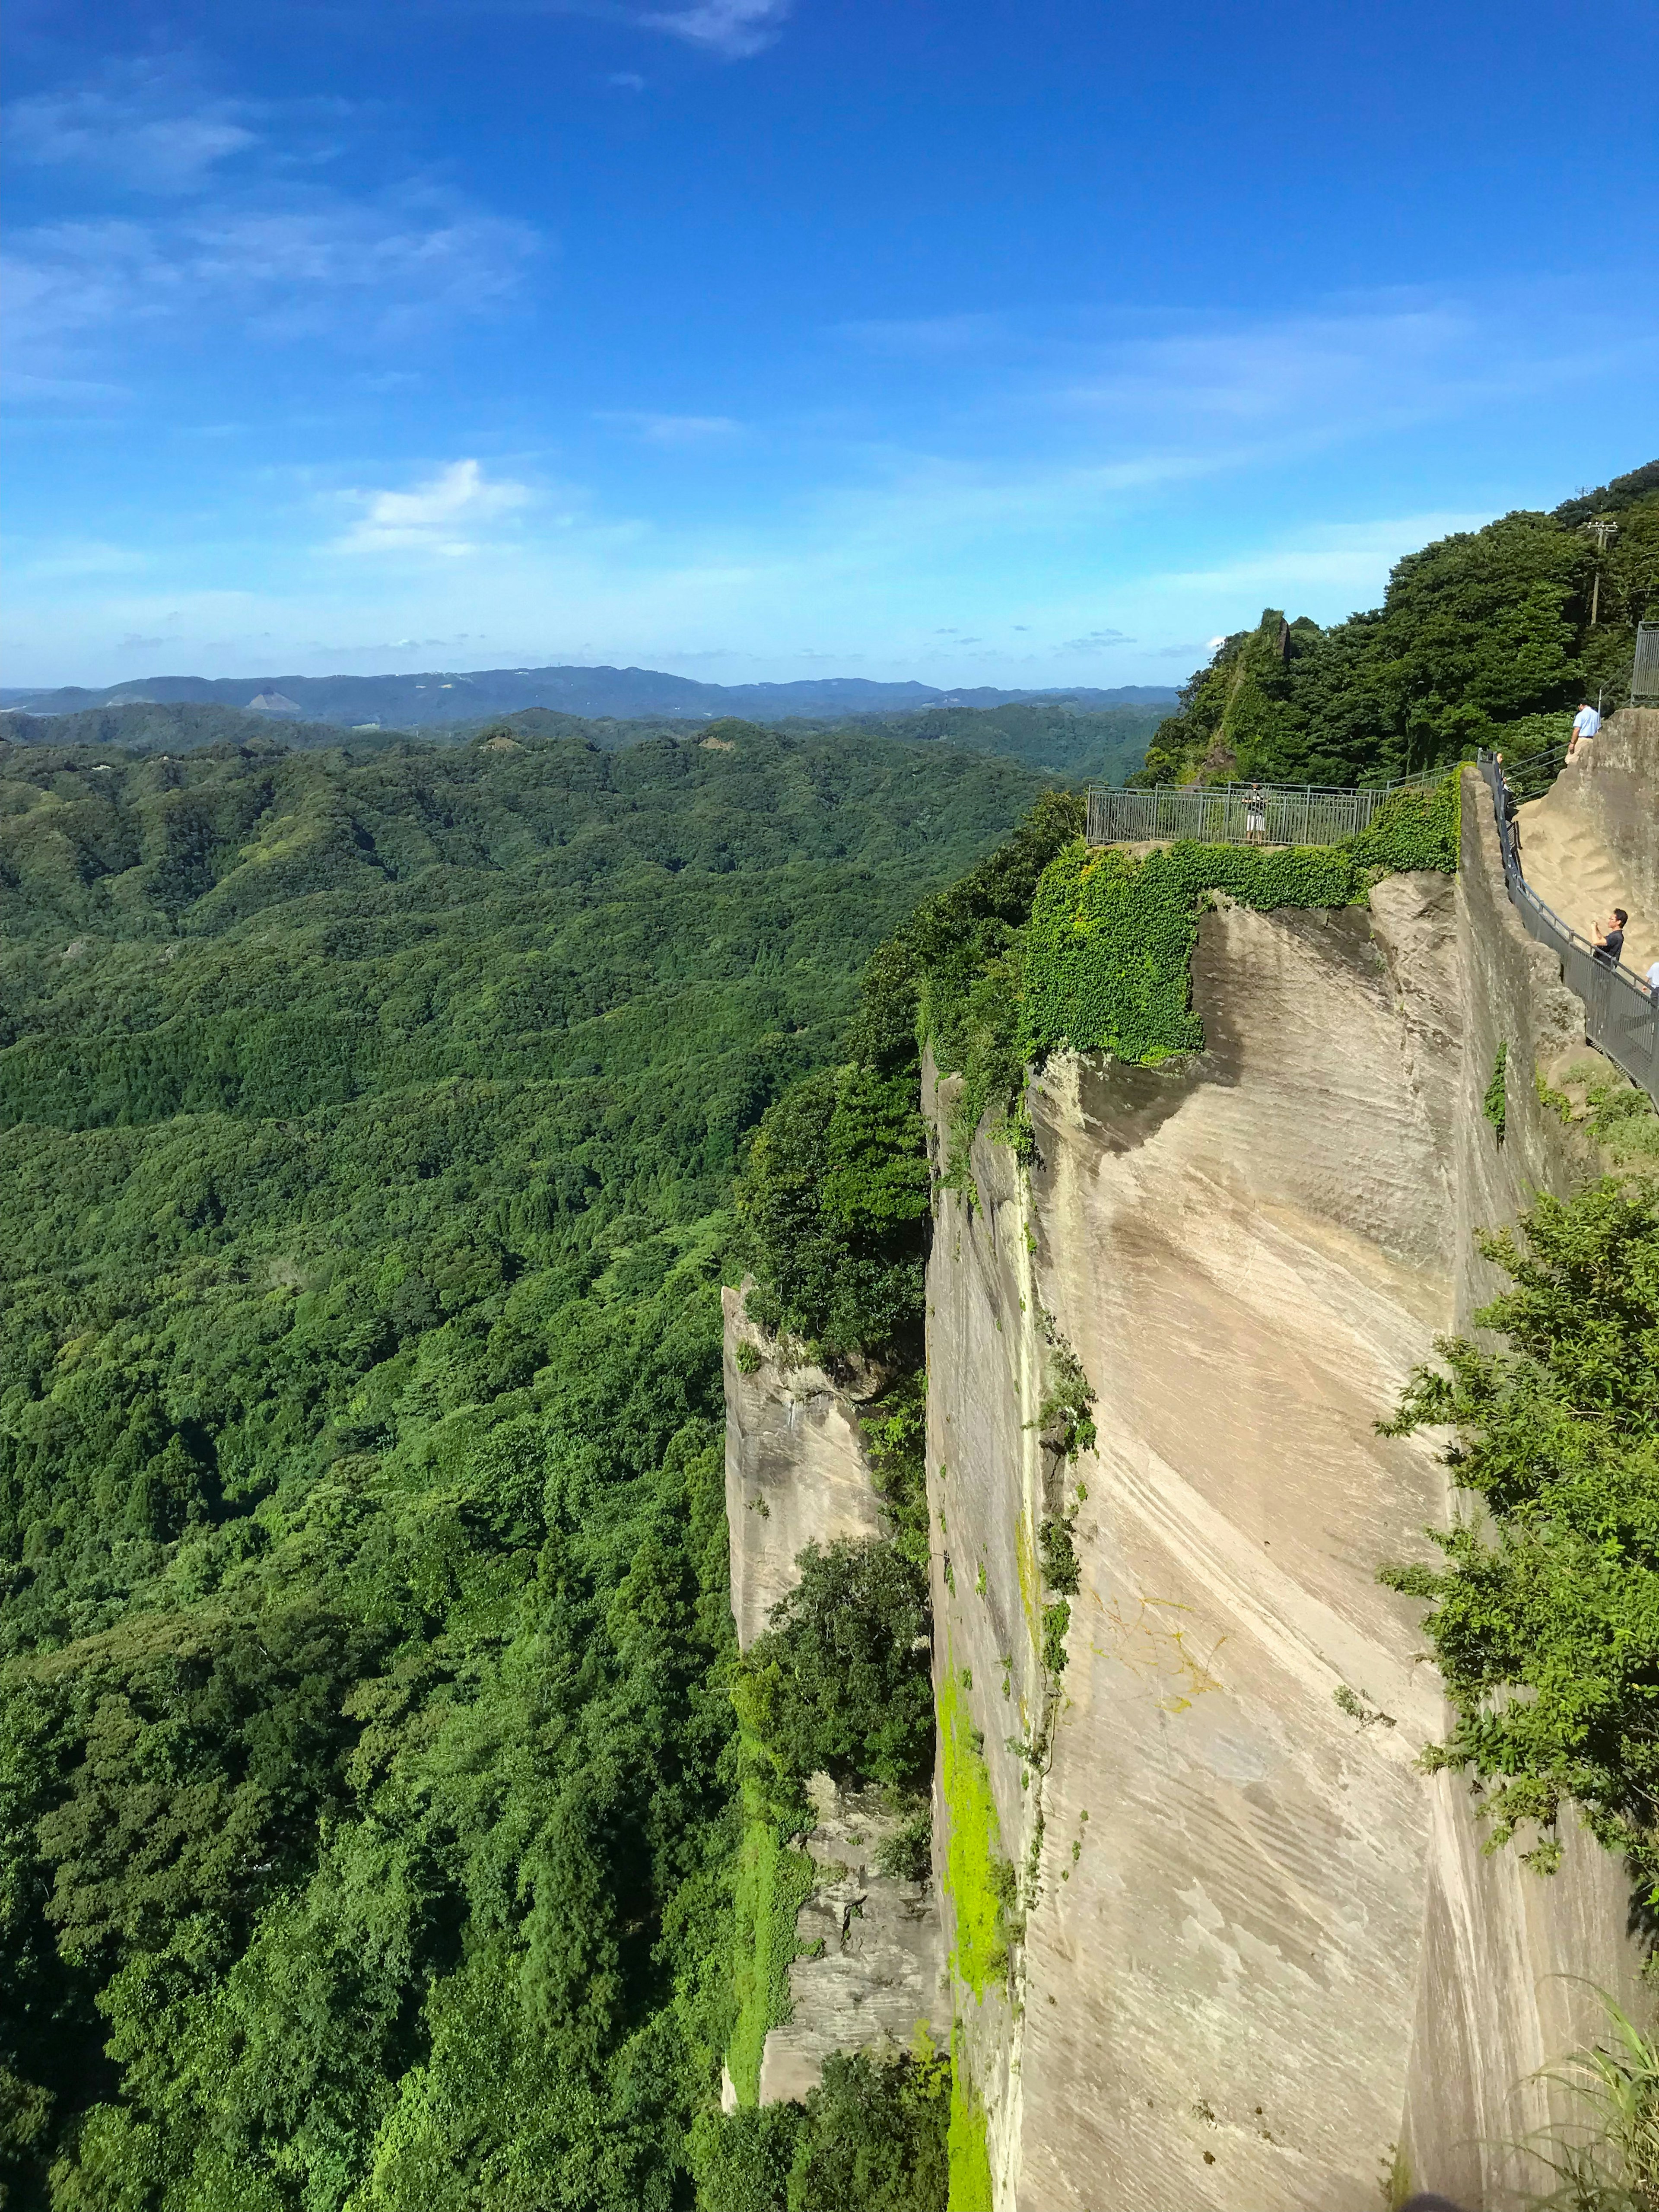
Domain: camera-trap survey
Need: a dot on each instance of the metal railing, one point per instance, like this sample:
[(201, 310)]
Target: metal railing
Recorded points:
[(1644, 676), (1240, 813), (1621, 1015)]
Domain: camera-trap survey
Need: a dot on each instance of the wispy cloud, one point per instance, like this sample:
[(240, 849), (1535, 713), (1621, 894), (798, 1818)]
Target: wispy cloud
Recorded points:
[(145, 125), (675, 429), (254, 238), (928, 335), (1095, 640), (324, 265), (438, 516), (733, 29)]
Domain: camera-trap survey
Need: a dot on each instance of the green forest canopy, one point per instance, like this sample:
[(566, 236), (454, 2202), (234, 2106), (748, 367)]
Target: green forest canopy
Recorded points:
[(366, 1125), (1102, 743), (1478, 634)]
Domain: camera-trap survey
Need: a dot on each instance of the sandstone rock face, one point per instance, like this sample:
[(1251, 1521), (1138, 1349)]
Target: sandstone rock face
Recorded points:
[(1614, 783), (1506, 1956), (795, 1470), (872, 1968), (1261, 1957), (1246, 1255)]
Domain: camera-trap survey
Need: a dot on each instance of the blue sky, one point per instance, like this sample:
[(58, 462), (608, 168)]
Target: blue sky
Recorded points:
[(1020, 344)]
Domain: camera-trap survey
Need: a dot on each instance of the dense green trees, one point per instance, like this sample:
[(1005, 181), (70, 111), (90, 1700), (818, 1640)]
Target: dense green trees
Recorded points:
[(839, 1683), (366, 1820), (1544, 1620), (1478, 632)]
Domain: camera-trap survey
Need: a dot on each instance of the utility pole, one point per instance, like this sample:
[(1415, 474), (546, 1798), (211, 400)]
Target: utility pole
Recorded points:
[(1601, 529)]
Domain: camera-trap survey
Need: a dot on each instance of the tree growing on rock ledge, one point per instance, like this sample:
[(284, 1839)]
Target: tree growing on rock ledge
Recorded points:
[(1544, 1621)]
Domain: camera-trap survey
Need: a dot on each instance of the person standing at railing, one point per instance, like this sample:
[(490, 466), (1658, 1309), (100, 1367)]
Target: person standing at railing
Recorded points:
[(1653, 982), (1255, 815), (1585, 723), (1610, 938)]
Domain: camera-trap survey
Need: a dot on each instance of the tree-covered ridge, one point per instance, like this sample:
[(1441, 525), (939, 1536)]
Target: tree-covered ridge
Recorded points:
[(1075, 739), (366, 1828), (1477, 633)]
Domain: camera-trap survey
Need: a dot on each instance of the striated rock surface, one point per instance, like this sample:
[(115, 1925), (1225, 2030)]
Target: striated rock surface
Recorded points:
[(1259, 1960), (1224, 1867), (871, 1969), (873, 1966), (795, 1468)]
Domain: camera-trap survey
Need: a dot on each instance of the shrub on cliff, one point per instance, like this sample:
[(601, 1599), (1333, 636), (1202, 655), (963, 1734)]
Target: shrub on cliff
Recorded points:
[(1544, 1618), (871, 2136), (1107, 962), (840, 1683), (833, 1197)]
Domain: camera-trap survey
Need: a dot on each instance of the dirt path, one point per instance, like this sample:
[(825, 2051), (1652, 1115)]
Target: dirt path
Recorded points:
[(1571, 870)]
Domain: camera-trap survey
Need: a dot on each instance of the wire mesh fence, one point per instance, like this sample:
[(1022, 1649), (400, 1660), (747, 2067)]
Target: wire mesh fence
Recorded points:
[(1621, 1013), (1239, 813)]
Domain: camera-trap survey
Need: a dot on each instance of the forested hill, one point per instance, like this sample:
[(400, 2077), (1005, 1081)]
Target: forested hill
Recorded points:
[(436, 697), (365, 1129), (1480, 636), (1075, 739)]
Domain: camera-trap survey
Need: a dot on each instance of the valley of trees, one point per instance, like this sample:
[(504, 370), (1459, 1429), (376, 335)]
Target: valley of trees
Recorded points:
[(367, 1794), (378, 1122), (1085, 743)]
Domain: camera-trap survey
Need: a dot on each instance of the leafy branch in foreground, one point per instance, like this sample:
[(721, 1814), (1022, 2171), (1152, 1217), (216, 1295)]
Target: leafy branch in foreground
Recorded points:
[(1545, 1617)]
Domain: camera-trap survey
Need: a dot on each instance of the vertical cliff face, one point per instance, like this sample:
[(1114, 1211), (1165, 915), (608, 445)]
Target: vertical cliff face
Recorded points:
[(1507, 1957), (1256, 1957), (1221, 1864), (867, 1964), (1213, 1939), (795, 1467)]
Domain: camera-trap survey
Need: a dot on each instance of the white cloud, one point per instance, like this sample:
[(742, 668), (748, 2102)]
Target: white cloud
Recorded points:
[(435, 517), (322, 266), (1095, 640), (145, 126), (675, 429), (734, 29)]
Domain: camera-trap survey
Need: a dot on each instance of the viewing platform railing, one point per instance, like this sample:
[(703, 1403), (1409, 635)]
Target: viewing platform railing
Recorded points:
[(1239, 813), (1621, 1014)]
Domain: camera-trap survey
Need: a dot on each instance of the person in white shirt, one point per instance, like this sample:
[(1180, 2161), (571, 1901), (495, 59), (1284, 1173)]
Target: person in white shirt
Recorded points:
[(1585, 723), (1653, 979)]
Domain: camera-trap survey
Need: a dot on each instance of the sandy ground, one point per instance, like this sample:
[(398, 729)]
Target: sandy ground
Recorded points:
[(1571, 870)]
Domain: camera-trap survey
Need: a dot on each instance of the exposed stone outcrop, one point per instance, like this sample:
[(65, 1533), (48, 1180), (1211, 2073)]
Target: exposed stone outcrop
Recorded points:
[(1262, 1957), (1612, 781), (871, 1968), (1507, 1957), (1245, 1254), (795, 1468)]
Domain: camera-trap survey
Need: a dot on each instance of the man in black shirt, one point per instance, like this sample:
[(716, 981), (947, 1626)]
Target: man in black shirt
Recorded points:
[(1610, 938)]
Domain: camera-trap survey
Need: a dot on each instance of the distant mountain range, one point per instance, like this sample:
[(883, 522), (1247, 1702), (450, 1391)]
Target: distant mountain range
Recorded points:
[(408, 702)]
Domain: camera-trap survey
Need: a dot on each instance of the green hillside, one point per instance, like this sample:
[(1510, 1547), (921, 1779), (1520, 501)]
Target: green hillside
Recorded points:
[(1478, 634), (1083, 743), (366, 1824)]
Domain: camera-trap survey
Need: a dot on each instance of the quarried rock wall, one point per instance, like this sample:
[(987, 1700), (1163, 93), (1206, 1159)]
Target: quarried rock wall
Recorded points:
[(1216, 1981), (1511, 1960), (869, 1963), (1257, 1959)]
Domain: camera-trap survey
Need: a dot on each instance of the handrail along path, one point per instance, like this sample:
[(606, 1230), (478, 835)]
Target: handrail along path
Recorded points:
[(1621, 1014)]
